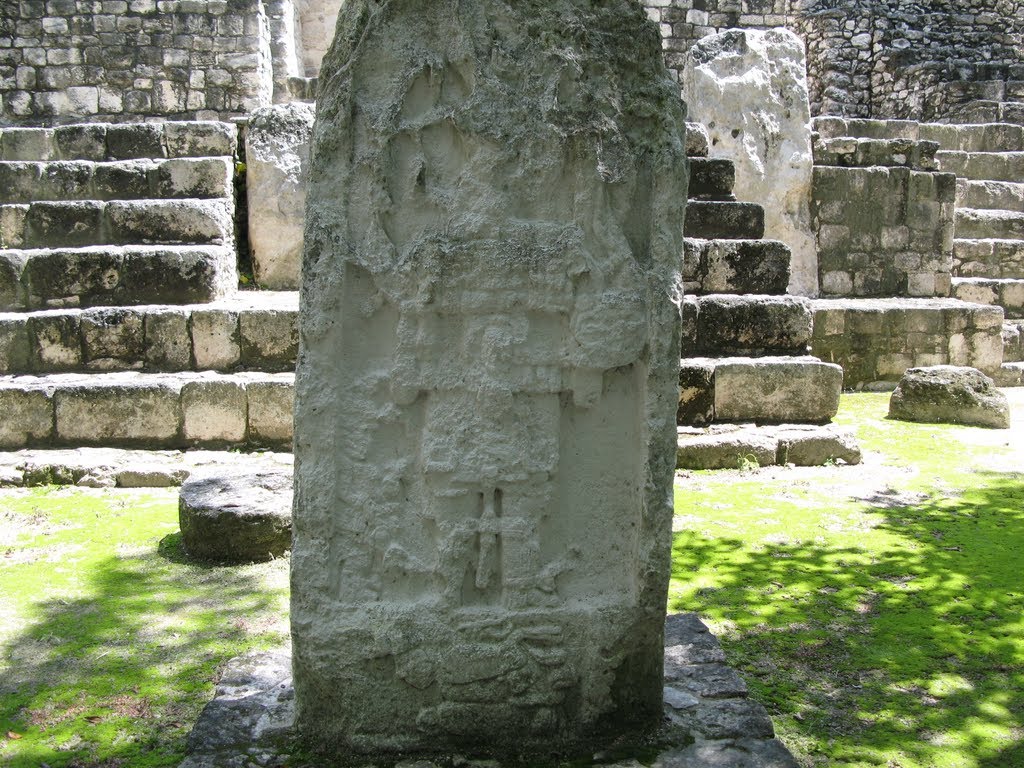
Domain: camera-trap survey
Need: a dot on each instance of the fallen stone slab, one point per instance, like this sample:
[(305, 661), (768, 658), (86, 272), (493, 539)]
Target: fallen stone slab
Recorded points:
[(949, 394), (125, 468), (736, 446), (237, 517), (709, 720)]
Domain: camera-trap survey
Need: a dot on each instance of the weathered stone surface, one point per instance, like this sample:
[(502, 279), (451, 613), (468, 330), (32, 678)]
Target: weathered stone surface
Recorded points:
[(28, 417), (277, 171), (489, 330), (250, 721), (117, 410), (948, 394), (696, 392), (777, 389), (732, 446), (711, 219), (736, 266), (238, 517), (742, 325), (214, 411), (749, 87)]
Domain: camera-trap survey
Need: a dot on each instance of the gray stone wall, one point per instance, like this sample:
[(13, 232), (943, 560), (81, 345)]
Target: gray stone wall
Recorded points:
[(885, 229), (925, 60), (119, 60)]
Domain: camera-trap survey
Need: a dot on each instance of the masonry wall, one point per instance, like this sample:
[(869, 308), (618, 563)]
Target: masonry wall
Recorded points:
[(118, 60), (924, 60)]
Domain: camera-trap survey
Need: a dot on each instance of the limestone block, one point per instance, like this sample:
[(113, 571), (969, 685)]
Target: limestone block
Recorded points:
[(749, 87), (214, 411), (135, 140), (81, 142), (56, 341), (737, 266), (26, 144), (726, 450), (112, 338), (216, 343), (123, 410), (815, 448), (277, 169), (271, 403), (27, 417), (63, 224), (949, 394), (15, 346), (192, 177), (200, 139), (696, 392), (777, 390), (729, 324), (12, 264), (270, 339), (168, 343), (177, 274), (169, 221), (486, 398), (124, 180), (236, 517)]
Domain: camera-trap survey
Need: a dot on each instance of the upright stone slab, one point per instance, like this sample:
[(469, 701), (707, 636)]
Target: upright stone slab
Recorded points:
[(487, 378), (749, 87)]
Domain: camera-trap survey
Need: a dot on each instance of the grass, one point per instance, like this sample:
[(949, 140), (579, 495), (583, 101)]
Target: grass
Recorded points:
[(878, 612), (109, 639)]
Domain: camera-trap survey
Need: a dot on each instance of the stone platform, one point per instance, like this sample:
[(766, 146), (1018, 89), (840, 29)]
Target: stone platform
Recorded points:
[(708, 718)]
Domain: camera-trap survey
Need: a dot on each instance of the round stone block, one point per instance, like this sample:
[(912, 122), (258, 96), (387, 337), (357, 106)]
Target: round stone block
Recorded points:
[(237, 517)]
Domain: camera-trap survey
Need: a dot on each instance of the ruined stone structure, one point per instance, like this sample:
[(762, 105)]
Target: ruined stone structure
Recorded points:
[(932, 60)]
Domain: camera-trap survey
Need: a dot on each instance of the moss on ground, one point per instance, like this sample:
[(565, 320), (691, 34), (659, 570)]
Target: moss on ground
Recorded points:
[(111, 640), (878, 612)]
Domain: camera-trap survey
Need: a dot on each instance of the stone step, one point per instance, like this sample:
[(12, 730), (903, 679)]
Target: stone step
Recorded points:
[(1007, 293), (1010, 375), (112, 275), (876, 340), (711, 179), (963, 137), (126, 467), (985, 224), (993, 166), (988, 258), (720, 219), (990, 111), (765, 390), (722, 325), (147, 410), (999, 195), (1013, 341), (186, 177), (254, 330), (119, 222), (735, 266), (121, 141), (748, 446)]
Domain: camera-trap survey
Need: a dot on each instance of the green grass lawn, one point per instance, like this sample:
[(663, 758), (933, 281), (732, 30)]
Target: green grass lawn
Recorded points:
[(877, 611), (109, 640)]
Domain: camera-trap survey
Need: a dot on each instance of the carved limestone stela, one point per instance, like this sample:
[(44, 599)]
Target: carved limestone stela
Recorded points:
[(486, 386)]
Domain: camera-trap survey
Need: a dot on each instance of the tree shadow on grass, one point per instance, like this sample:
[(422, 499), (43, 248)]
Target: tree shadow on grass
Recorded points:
[(117, 676), (914, 649)]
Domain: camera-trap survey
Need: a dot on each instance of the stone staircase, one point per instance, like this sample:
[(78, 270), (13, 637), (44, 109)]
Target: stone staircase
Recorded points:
[(121, 322), (745, 343), (988, 245)]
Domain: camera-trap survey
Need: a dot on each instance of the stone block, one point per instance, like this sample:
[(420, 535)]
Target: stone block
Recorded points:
[(73, 277), (12, 292), (200, 139), (271, 403), (81, 142), (28, 417), (168, 341), (56, 339), (123, 410), (711, 178), (170, 221), (269, 339), (729, 450), (176, 274), (112, 339), (214, 411), (737, 266), (30, 144), (777, 390), (195, 177), (216, 341), (753, 324), (696, 392), (277, 168), (12, 225), (714, 219), (15, 347), (63, 224), (949, 395), (125, 180), (135, 140)]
